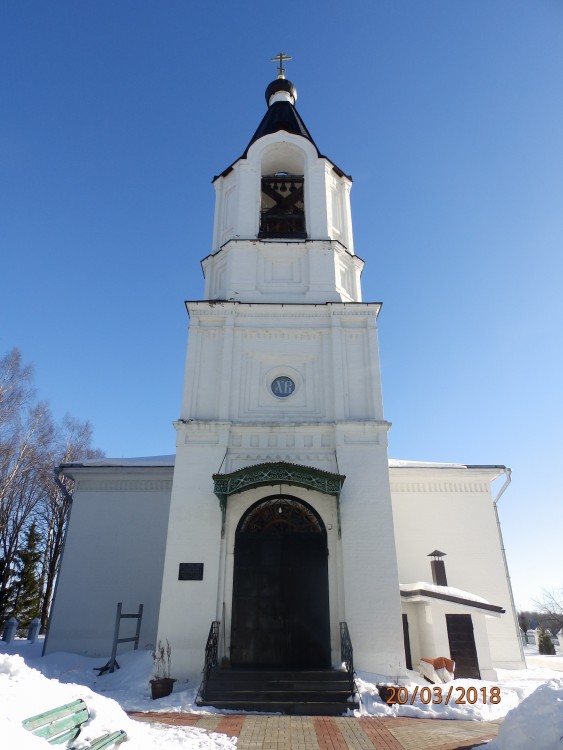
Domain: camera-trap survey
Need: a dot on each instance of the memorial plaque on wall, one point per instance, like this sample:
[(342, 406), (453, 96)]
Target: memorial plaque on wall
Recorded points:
[(190, 572)]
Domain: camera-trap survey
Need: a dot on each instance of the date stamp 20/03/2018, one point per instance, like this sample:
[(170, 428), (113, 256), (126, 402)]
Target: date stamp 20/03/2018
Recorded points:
[(453, 694)]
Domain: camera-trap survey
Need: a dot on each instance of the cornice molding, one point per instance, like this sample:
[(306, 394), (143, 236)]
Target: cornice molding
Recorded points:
[(284, 333), (266, 456), (224, 308), (123, 485), (446, 487), (308, 243)]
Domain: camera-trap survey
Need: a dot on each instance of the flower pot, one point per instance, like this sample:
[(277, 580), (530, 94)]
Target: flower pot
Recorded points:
[(161, 687), (388, 692)]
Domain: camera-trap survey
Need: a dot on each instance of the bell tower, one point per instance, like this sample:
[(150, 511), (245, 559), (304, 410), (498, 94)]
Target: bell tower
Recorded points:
[(282, 413), (283, 228)]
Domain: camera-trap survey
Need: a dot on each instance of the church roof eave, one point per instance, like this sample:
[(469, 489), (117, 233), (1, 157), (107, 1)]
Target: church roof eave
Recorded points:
[(141, 462), (230, 168), (281, 116), (395, 463), (422, 591)]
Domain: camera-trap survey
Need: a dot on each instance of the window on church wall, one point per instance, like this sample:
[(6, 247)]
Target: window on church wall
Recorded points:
[(282, 206)]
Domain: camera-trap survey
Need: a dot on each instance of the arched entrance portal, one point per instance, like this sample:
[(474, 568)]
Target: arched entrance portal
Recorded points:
[(280, 587)]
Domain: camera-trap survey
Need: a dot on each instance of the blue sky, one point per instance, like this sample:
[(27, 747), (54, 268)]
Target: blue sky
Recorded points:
[(115, 116)]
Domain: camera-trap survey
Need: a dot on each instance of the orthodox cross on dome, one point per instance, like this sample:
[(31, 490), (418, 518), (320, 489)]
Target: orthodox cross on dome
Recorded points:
[(281, 57)]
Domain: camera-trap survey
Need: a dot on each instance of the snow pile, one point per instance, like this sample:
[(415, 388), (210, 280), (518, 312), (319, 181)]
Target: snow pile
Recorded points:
[(536, 723), (25, 692), (425, 704), (41, 683)]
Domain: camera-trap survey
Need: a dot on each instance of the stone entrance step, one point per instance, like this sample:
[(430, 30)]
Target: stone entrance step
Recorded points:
[(317, 692)]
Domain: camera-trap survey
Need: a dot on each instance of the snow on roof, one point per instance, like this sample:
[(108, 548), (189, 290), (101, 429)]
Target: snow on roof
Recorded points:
[(422, 591), (446, 590), (127, 462), (168, 460), (397, 463)]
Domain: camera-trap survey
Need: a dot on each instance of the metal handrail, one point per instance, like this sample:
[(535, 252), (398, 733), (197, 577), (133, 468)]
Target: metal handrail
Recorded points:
[(211, 656), (347, 655)]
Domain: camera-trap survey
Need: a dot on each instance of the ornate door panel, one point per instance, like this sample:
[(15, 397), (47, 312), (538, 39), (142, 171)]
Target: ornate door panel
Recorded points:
[(280, 591)]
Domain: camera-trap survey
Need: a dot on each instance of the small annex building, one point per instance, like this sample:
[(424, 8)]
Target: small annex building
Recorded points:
[(280, 518)]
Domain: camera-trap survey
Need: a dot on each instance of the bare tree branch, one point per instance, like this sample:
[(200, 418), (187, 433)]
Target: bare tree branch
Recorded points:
[(30, 447), (550, 606)]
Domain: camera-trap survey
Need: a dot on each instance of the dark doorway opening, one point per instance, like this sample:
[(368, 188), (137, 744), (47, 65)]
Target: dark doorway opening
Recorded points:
[(407, 642), (462, 646), (280, 587)]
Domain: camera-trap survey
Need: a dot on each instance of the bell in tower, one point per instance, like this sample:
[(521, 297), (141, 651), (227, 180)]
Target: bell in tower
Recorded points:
[(282, 208)]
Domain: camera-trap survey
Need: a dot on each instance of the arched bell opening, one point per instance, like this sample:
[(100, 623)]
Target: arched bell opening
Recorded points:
[(280, 610), (282, 206), (282, 196)]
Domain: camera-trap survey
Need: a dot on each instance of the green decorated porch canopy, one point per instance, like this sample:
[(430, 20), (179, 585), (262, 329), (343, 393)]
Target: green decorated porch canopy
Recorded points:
[(269, 474)]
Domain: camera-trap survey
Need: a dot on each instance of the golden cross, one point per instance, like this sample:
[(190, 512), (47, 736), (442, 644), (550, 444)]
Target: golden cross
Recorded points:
[(281, 57)]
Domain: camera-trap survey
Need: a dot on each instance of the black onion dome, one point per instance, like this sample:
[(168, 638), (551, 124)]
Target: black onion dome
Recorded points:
[(281, 116), (280, 84)]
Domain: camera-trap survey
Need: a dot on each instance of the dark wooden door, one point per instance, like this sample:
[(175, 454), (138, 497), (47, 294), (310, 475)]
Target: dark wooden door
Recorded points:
[(280, 597), (462, 646)]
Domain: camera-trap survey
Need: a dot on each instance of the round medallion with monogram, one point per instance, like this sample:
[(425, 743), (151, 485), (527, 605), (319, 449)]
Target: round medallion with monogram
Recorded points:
[(282, 387)]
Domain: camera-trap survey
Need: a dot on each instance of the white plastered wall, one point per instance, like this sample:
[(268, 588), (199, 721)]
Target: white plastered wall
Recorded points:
[(332, 421), (371, 600), (188, 607), (114, 553), (428, 632), (362, 572), (236, 350), (451, 509)]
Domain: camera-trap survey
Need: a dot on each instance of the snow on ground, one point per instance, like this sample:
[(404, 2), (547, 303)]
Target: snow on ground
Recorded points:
[(30, 684), (30, 688), (537, 722), (533, 659)]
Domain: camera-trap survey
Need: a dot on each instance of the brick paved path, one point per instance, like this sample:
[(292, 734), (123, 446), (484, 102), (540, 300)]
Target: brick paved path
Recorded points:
[(264, 732)]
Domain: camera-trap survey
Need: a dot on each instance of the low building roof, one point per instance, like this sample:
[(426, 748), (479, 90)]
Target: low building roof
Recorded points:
[(421, 590), (168, 460)]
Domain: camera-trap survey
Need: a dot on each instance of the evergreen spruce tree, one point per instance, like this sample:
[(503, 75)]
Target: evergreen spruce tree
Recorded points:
[(545, 646), (6, 594), (27, 586)]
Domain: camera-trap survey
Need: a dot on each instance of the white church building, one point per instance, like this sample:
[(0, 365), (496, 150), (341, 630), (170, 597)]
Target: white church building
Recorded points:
[(281, 519)]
